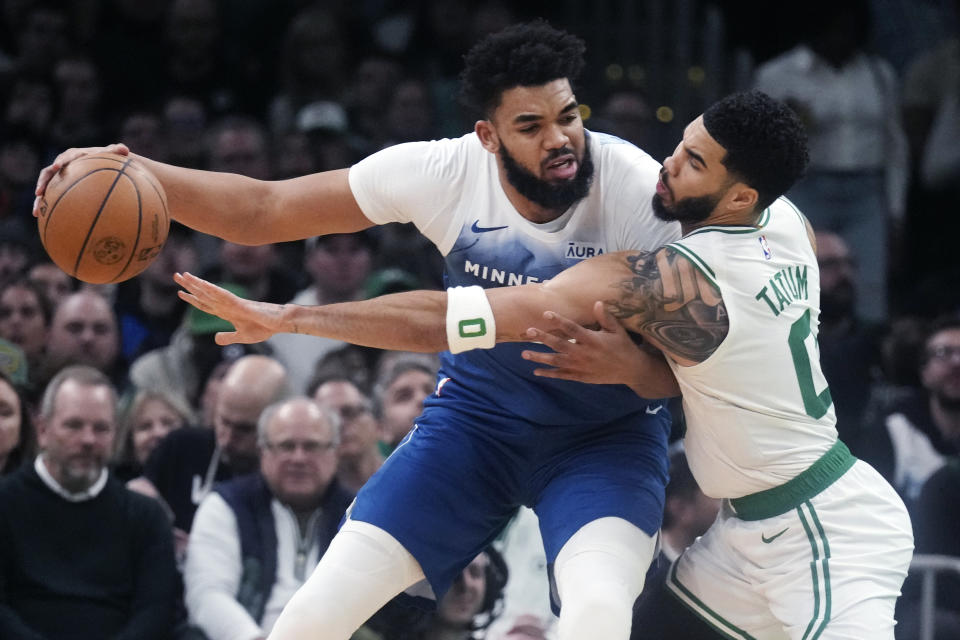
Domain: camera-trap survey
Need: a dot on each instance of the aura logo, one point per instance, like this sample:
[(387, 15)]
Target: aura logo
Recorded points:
[(582, 250)]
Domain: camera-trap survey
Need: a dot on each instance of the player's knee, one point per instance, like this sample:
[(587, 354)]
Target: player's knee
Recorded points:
[(600, 610)]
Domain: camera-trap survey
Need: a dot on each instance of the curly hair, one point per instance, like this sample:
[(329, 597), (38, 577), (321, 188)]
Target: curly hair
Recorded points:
[(765, 142), (522, 55)]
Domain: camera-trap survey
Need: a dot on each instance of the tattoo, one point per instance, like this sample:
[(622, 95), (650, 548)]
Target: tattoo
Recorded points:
[(669, 301)]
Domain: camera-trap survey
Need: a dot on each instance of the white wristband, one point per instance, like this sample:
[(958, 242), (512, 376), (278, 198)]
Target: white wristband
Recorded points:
[(470, 323)]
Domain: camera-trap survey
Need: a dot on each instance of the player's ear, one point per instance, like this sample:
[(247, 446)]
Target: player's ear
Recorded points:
[(743, 197), (488, 135)]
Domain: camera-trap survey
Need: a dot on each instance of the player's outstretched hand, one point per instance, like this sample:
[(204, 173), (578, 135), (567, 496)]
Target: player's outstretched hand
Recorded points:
[(253, 321), (65, 158), (604, 356)]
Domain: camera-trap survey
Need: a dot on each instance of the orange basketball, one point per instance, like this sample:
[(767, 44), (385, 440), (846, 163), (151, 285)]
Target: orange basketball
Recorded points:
[(103, 218)]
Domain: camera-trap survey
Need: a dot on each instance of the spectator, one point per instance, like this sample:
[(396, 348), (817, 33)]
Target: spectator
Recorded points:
[(626, 114), (337, 265), (152, 414), (183, 366), (147, 306), (16, 431), (30, 105), (20, 152), (849, 101), (84, 331), (78, 119), (255, 539), (404, 381), (16, 248), (909, 432), (474, 600), (688, 513), (368, 95), (240, 145), (526, 596), (409, 115), (52, 280), (185, 124), (194, 59), (184, 466), (849, 345), (44, 37), (79, 554), (25, 320), (931, 110), (359, 454), (143, 130), (312, 66), (937, 531)]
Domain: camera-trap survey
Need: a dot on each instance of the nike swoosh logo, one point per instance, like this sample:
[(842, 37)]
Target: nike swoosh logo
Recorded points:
[(476, 228), (767, 540), (652, 411)]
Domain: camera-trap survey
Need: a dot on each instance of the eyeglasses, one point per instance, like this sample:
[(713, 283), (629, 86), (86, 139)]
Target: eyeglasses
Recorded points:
[(944, 353), (309, 447)]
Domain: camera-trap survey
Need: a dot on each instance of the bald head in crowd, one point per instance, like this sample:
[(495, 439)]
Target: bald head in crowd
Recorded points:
[(250, 385), (83, 331)]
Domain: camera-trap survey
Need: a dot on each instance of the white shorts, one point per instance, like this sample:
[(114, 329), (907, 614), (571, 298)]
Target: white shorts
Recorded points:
[(829, 567)]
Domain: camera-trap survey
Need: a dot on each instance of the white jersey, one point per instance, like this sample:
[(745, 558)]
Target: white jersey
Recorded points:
[(451, 190), (758, 410)]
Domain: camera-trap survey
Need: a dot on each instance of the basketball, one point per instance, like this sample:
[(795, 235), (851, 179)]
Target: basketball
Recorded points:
[(103, 218)]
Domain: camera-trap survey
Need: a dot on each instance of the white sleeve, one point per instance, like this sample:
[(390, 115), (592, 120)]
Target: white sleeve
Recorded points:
[(418, 182), (212, 573), (636, 227)]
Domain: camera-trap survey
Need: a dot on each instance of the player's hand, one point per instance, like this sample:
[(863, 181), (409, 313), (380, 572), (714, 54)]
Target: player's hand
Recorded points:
[(253, 321), (604, 356), (65, 158)]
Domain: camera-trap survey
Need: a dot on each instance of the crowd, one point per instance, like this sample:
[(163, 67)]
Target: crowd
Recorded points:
[(251, 453)]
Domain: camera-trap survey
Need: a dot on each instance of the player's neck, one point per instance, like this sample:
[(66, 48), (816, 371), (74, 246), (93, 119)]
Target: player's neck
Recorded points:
[(723, 219)]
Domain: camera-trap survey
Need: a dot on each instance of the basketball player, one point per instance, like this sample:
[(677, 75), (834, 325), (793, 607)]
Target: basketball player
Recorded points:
[(526, 195), (810, 542)]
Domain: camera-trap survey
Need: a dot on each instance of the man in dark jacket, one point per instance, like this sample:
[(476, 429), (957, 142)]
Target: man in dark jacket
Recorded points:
[(257, 538), (80, 555)]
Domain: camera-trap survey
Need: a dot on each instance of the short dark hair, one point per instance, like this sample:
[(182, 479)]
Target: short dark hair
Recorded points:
[(522, 55), (765, 142), (936, 326)]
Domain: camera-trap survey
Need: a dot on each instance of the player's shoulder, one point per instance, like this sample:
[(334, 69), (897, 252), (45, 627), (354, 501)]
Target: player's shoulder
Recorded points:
[(608, 148)]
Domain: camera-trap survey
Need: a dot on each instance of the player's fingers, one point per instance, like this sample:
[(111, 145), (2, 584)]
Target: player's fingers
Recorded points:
[(556, 339), (46, 174), (604, 318), (565, 326), (544, 357), (223, 338), (194, 300), (558, 374)]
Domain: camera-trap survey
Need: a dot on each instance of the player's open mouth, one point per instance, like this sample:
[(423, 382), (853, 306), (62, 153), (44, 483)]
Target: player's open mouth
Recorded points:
[(563, 168), (662, 190)]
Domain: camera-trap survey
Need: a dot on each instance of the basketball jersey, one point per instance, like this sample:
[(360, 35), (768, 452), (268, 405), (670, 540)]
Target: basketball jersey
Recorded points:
[(450, 189), (758, 410)]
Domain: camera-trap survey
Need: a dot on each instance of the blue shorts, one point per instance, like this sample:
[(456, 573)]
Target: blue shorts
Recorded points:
[(456, 480)]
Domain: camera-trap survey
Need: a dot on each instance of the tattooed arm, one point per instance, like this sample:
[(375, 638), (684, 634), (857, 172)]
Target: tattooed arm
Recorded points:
[(660, 296), (667, 300)]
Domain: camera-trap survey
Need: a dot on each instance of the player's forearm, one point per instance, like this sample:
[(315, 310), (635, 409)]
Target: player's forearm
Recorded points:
[(254, 212), (652, 377), (409, 321), (220, 204)]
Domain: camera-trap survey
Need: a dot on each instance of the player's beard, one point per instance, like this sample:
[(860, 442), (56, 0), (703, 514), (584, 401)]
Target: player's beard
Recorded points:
[(687, 210), (555, 196)]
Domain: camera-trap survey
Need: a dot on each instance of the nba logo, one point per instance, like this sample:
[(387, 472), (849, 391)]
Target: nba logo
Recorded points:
[(766, 249)]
